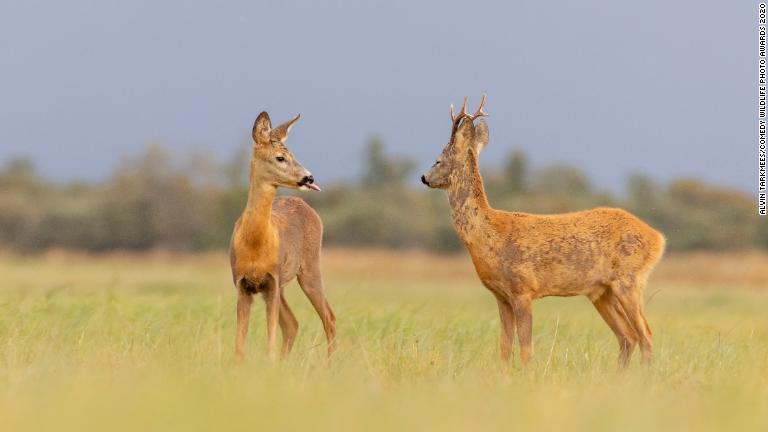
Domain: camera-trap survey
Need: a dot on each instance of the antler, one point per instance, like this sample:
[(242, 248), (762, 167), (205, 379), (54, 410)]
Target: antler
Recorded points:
[(464, 113), (479, 112), (463, 110)]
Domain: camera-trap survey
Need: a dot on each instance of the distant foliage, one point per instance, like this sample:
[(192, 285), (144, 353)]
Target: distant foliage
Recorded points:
[(695, 215), (154, 200)]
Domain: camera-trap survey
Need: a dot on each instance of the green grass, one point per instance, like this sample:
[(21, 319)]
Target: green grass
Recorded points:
[(140, 344)]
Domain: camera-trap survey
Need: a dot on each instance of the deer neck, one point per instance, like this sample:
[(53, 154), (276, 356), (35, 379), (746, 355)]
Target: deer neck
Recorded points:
[(469, 204), (256, 220)]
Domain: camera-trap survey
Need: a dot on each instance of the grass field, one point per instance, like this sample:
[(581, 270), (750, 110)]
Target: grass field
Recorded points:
[(146, 343)]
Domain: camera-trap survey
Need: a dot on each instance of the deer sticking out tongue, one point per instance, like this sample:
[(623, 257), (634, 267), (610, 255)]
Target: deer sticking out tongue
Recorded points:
[(313, 186)]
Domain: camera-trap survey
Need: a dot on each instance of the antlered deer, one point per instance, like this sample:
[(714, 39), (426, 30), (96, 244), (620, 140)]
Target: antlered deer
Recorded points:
[(276, 240), (605, 254)]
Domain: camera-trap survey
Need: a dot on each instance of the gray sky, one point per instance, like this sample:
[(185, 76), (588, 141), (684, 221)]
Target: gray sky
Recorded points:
[(665, 88)]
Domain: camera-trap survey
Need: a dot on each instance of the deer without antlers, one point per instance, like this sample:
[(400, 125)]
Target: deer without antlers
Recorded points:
[(605, 254), (276, 240)]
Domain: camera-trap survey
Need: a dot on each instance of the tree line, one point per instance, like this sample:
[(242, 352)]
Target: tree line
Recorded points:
[(154, 200)]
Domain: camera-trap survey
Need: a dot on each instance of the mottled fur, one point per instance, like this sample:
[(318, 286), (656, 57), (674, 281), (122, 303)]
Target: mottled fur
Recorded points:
[(275, 241), (605, 254)]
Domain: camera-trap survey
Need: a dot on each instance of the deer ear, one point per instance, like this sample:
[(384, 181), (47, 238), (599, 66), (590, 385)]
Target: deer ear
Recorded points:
[(465, 133), (281, 132), (262, 128), (481, 136)]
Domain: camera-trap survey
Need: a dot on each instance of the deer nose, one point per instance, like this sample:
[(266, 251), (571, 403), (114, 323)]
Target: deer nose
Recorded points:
[(308, 179), (424, 180)]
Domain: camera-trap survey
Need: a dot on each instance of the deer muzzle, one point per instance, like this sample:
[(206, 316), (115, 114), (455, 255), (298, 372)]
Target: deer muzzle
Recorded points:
[(308, 182)]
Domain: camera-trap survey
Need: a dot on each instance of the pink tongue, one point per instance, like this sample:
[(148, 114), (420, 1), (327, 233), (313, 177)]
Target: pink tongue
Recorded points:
[(313, 187)]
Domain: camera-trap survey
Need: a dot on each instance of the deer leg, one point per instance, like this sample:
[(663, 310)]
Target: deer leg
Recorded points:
[(311, 282), (244, 301), (648, 335), (289, 326), (332, 318), (631, 301), (507, 318), (608, 307), (522, 308), (271, 294)]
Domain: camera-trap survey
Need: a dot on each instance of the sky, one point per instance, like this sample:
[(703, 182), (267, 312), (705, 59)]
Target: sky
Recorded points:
[(663, 88)]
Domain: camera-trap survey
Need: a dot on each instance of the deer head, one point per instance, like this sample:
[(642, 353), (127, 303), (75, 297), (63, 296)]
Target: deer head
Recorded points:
[(272, 162), (465, 137)]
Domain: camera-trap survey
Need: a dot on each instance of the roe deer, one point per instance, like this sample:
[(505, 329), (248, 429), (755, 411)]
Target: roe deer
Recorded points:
[(277, 239), (605, 254)]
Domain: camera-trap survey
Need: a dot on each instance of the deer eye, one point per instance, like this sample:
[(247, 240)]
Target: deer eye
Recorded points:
[(280, 159), (437, 163)]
